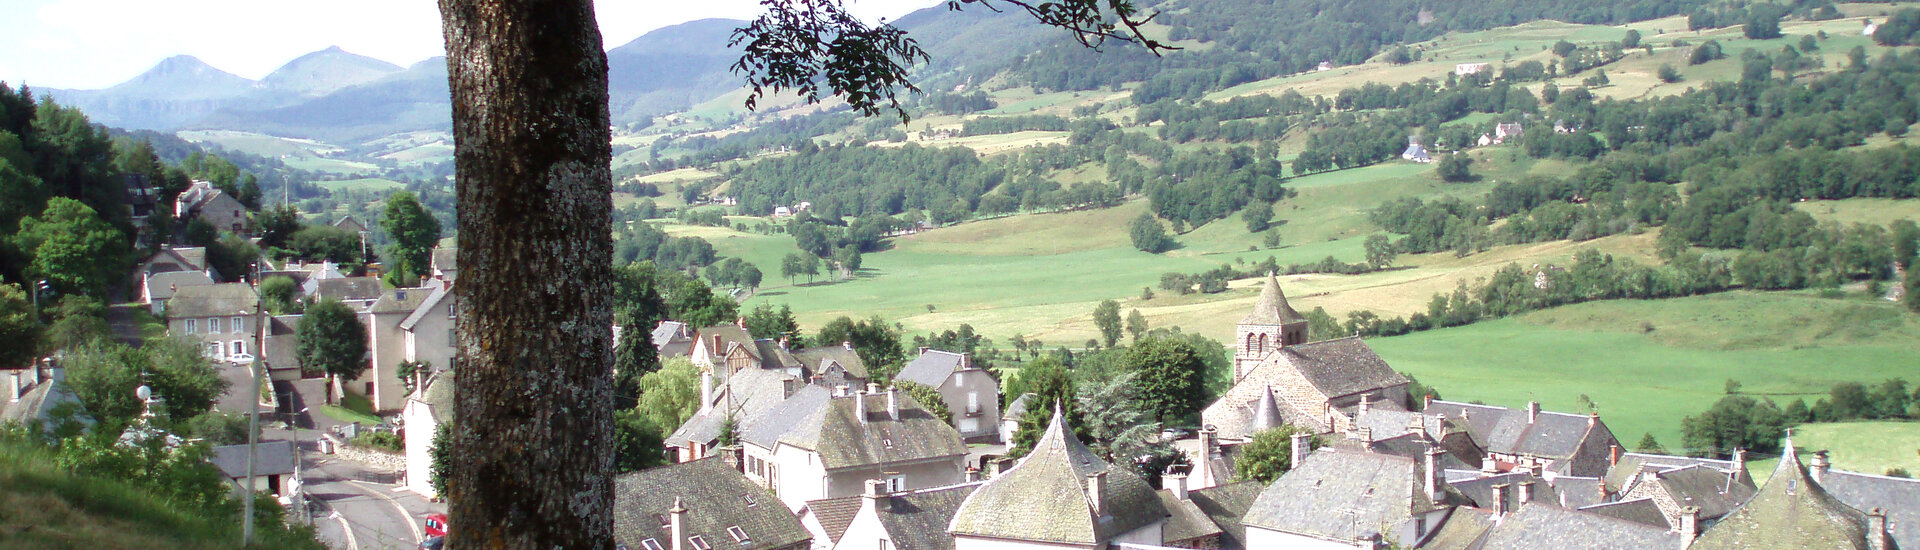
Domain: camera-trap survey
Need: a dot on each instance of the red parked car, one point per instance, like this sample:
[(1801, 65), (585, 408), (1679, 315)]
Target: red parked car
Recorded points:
[(436, 525)]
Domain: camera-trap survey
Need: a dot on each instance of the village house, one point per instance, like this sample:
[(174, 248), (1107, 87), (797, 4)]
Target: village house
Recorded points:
[(1061, 495), (742, 400), (157, 288), (171, 259), (1188, 526), (280, 347), (357, 292), (1543, 525), (672, 339), (221, 317), (701, 505), (429, 406), (905, 520), (443, 264), (273, 466), (1505, 131), (1465, 69), (1338, 498), (39, 395), (970, 392), (349, 223), (1551, 443), (1707, 492), (1898, 497), (1010, 418), (206, 203), (816, 445), (1317, 385), (1794, 510), (833, 366), (1415, 152), (404, 325)]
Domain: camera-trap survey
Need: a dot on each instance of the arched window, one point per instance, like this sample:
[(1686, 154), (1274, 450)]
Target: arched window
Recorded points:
[(1263, 343)]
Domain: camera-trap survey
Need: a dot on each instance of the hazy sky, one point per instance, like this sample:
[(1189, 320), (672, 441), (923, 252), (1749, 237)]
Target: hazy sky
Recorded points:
[(98, 43)]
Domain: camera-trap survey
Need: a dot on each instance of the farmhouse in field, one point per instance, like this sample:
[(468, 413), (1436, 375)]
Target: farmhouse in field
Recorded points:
[(1415, 152), (1465, 69)]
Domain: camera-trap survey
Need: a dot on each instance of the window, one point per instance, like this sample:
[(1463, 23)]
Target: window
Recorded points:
[(192, 326), (650, 544), (973, 402), (213, 325), (886, 544), (896, 483), (699, 543), (666, 521), (213, 349), (239, 347), (237, 325), (750, 502), (739, 535), (452, 336)]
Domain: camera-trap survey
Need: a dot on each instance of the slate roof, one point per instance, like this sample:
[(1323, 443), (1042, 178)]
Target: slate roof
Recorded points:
[(715, 497), (1266, 413), (271, 458), (1338, 367), (730, 336), (1791, 511), (932, 368), (1577, 491), (1464, 530), (1640, 510), (1185, 520), (835, 514), (835, 431), (783, 417), (816, 358), (1272, 307), (1628, 471), (1412, 446), (445, 259), (434, 297), (213, 301), (348, 288), (40, 402), (399, 300), (1017, 410), (1715, 492), (1508, 431), (438, 396), (161, 286), (753, 393), (348, 222), (1342, 495), (918, 520), (191, 258), (1899, 497), (1044, 497), (772, 355), (1480, 490), (1226, 505), (668, 331), (1539, 525)]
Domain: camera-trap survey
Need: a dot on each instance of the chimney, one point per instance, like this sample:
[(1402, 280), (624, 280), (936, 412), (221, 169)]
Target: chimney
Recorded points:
[(1097, 492), (792, 385), (996, 466), (731, 455), (973, 474), (1500, 499), (1433, 474), (1526, 491), (1689, 525), (1365, 401), (1533, 411), (893, 405), (966, 361), (876, 495), (706, 390), (1426, 401), (1302, 444), (740, 322), (783, 343), (1613, 454), (860, 406), (1175, 481), (1593, 419), (1820, 467), (14, 390), (677, 524), (1877, 535), (1739, 465)]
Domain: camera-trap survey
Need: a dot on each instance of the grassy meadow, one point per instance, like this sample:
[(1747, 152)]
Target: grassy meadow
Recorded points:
[(1646, 364)]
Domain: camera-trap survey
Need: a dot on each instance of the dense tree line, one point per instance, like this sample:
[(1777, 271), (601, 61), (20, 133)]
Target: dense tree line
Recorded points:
[(980, 126)]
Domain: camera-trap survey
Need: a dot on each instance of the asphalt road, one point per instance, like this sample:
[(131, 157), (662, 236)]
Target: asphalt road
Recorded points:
[(356, 507)]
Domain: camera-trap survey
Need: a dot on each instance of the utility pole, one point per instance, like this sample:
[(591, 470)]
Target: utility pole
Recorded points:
[(253, 421)]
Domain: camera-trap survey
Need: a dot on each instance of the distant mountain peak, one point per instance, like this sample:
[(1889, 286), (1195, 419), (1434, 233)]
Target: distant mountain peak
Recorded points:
[(183, 76), (322, 72)]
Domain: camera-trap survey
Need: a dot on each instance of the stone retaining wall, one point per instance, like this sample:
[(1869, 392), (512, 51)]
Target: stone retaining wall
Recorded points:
[(373, 458)]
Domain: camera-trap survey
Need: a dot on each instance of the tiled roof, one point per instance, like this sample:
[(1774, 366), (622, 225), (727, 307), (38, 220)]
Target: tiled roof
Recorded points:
[(1226, 505), (715, 498), (1017, 409), (1185, 520), (1044, 497), (836, 432), (1791, 511), (213, 301), (835, 514), (1899, 497), (1503, 430), (348, 288), (918, 520), (1640, 510), (1342, 495), (270, 458), (1272, 307), (931, 368), (1464, 529), (1539, 525)]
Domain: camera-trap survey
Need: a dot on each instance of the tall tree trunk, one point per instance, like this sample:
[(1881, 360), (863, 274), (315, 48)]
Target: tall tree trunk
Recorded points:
[(533, 459)]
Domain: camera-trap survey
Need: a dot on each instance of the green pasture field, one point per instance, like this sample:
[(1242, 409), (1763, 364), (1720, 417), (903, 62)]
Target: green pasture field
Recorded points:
[(1862, 210), (361, 184)]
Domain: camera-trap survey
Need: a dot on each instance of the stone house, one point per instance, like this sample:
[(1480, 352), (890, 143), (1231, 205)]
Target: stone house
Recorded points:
[(701, 505), (672, 339), (1338, 498), (1188, 526), (1794, 510), (816, 445), (970, 392), (1547, 442), (204, 202), (157, 288), (905, 520), (833, 366), (1061, 495), (443, 264), (1707, 493), (429, 406), (405, 324), (742, 399), (1542, 525), (222, 317)]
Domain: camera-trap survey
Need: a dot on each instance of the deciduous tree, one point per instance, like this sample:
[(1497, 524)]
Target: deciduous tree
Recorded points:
[(1269, 455), (1170, 375), (414, 233), (1106, 317), (332, 341)]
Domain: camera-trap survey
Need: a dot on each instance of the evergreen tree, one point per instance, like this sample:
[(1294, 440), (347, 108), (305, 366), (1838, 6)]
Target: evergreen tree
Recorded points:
[(1649, 446)]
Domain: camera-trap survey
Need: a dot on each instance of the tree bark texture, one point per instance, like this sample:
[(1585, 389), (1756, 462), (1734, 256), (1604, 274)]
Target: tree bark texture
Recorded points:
[(533, 455)]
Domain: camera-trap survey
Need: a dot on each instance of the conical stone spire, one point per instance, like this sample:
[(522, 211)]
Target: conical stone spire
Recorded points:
[(1266, 414), (1272, 308)]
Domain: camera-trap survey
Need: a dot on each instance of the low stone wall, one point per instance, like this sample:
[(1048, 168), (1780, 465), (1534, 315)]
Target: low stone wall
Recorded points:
[(373, 458)]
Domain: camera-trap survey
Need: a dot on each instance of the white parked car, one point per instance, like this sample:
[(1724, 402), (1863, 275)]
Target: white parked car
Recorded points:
[(240, 358)]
